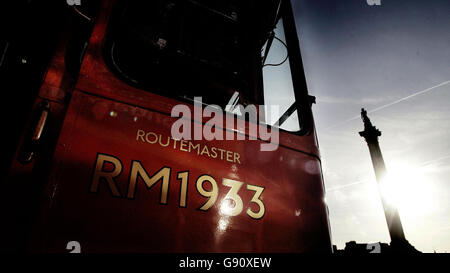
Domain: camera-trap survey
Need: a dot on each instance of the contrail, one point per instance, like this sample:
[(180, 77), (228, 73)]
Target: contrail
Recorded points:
[(392, 103), (435, 160), (346, 185)]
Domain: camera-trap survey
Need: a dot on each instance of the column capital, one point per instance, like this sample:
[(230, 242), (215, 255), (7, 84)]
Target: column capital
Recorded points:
[(370, 133)]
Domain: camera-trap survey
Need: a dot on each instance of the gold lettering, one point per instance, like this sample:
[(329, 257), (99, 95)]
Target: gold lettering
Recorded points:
[(175, 143), (214, 152), (137, 170), (211, 194), (256, 199), (108, 176), (233, 195), (188, 146), (184, 177), (140, 134), (195, 147), (164, 145), (236, 158), (205, 151), (229, 156), (153, 134), (183, 145), (221, 153)]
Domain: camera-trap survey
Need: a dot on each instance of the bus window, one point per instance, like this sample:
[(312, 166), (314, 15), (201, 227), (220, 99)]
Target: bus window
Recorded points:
[(180, 48), (278, 88), (220, 50)]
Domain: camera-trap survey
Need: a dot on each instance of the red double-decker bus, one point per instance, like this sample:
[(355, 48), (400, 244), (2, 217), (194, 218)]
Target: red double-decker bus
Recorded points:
[(97, 167)]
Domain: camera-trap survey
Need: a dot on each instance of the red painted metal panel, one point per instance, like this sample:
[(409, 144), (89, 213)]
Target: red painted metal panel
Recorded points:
[(295, 218)]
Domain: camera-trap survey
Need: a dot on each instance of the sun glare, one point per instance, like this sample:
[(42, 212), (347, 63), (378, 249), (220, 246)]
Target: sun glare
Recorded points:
[(408, 189)]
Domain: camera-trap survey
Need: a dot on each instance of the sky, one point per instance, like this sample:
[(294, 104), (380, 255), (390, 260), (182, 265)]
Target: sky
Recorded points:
[(393, 60)]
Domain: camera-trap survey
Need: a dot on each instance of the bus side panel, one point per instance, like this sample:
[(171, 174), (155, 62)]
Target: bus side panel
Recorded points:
[(106, 146)]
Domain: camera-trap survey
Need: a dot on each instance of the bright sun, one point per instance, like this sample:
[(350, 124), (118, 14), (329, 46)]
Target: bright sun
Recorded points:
[(407, 188)]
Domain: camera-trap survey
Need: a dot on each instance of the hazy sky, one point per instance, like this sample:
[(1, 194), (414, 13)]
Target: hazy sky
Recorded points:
[(355, 56)]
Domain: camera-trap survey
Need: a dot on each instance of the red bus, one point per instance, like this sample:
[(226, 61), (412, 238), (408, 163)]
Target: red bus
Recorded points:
[(97, 169)]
